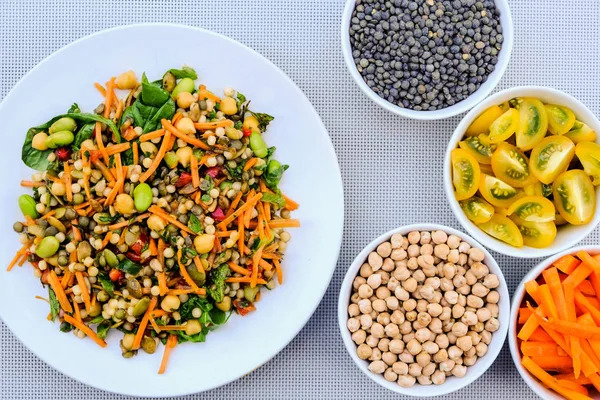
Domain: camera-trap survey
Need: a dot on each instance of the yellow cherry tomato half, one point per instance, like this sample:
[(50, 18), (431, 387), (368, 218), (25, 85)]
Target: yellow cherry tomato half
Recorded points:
[(512, 166), (533, 209), (538, 189), (536, 234), (474, 146), (504, 106), (497, 192), (486, 169), (502, 228), (589, 156), (559, 219), (575, 197), (501, 211), (581, 133), (560, 119), (504, 126), (551, 157), (465, 174), (533, 123), (477, 209), (482, 122)]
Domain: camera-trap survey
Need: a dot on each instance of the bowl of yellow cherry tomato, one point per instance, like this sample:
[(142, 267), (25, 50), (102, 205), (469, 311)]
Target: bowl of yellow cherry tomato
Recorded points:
[(522, 172)]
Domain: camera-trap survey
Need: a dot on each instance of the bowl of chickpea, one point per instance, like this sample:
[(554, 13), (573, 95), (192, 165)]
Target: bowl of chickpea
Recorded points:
[(424, 310)]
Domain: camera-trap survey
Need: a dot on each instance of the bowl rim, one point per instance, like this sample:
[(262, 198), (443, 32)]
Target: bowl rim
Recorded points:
[(498, 337), (517, 297), (488, 241), (458, 108)]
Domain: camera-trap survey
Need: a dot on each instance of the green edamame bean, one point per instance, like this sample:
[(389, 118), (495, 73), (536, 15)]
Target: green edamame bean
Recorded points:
[(27, 206), (142, 197), (47, 247), (184, 85), (63, 124), (225, 185), (258, 145), (58, 139)]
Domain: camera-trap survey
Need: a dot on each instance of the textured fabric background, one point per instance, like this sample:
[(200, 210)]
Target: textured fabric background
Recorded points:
[(391, 167)]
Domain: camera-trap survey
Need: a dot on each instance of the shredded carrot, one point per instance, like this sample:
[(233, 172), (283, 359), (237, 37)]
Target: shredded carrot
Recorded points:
[(176, 118), (100, 144), (255, 265), (234, 203), (77, 313), (85, 329), (284, 223), (108, 97), (186, 276), (171, 343), (18, 255), (245, 279), (157, 159), (154, 324), (136, 157), (162, 283), (236, 268), (241, 233), (137, 341), (267, 210), (172, 328), (85, 295), (194, 170), (100, 89), (120, 181), (31, 184), (278, 270), (119, 110), (123, 224), (290, 204), (66, 277), (61, 296), (67, 177), (76, 234), (250, 203), (188, 139), (118, 148), (205, 94), (152, 135), (250, 163), (163, 214)]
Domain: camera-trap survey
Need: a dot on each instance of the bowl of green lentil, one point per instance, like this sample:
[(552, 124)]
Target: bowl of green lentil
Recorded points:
[(427, 59)]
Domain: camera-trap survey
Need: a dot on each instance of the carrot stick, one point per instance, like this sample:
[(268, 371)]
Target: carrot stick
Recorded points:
[(547, 302), (284, 223), (159, 211), (555, 363), (204, 126), (61, 296), (84, 291), (157, 159), (137, 341), (582, 302), (569, 385), (569, 293), (188, 139), (85, 329), (573, 328), (589, 260), (549, 381), (152, 135), (586, 288), (567, 264), (236, 268), (579, 275), (553, 281), (172, 328), (582, 380), (586, 319), (534, 349), (118, 111), (531, 287), (531, 325), (171, 343), (250, 203), (540, 336), (524, 314)]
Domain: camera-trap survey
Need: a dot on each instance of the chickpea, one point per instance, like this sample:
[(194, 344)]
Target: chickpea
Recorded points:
[(475, 337), (459, 281), (390, 375), (470, 277), (446, 313), (400, 368), (379, 305), (453, 256), (383, 292), (446, 366), (406, 381), (464, 290), (494, 309), (413, 251), (454, 352), (353, 310), (451, 297), (486, 337), (204, 243), (423, 335), (412, 264), (414, 237), (414, 347), (365, 306), (452, 337), (392, 284), (392, 330), (440, 356), (469, 318), (419, 276), (396, 346), (409, 305), (375, 355), (459, 371), (446, 284), (358, 281), (126, 80), (435, 326), (405, 327), (366, 270), (434, 309), (425, 261), (384, 344), (396, 240), (457, 311), (439, 237), (406, 357), (493, 297), (423, 379), (392, 303), (464, 343), (377, 367), (388, 265), (438, 377), (377, 330), (478, 327), (384, 249), (398, 255), (415, 369), (476, 254), (423, 358), (430, 347), (171, 303), (492, 325), (366, 321), (472, 352), (355, 298), (124, 204), (383, 318), (459, 329), (389, 358), (427, 250), (397, 317), (424, 319), (39, 141), (375, 261), (410, 285), (469, 361), (353, 324), (441, 251), (185, 99), (359, 336), (462, 259), (229, 107), (372, 341), (427, 291), (474, 301), (58, 189), (491, 281)]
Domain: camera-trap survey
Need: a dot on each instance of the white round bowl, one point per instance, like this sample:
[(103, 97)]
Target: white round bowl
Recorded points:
[(568, 235), (529, 379), (458, 108), (452, 383)]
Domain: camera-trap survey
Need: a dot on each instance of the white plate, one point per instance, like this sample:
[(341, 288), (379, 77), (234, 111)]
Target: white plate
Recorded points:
[(244, 343)]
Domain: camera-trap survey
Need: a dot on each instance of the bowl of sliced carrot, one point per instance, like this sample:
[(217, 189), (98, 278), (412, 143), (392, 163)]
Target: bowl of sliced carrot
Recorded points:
[(555, 325)]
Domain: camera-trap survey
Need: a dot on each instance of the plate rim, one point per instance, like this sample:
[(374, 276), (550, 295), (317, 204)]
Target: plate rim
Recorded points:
[(330, 149)]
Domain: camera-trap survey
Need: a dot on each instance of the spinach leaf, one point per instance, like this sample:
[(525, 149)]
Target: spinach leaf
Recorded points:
[(102, 329), (127, 157), (54, 167), (218, 277), (108, 219), (236, 173), (97, 320), (128, 266), (184, 72), (273, 198), (54, 304), (194, 224), (211, 318), (263, 120), (74, 108), (84, 133), (152, 105), (37, 159), (274, 173), (106, 283), (66, 327)]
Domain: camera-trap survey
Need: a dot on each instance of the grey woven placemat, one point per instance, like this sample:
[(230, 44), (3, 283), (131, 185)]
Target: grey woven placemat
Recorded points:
[(392, 167)]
